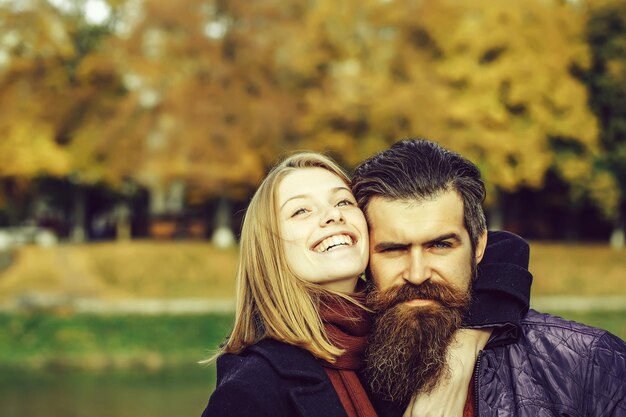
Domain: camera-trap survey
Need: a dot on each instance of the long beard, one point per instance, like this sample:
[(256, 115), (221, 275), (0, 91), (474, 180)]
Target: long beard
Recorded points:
[(406, 351)]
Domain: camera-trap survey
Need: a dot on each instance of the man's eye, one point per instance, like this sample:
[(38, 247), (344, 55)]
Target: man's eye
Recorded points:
[(441, 245), (392, 249)]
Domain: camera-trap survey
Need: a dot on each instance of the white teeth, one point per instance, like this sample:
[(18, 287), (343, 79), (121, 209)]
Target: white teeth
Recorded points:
[(333, 241)]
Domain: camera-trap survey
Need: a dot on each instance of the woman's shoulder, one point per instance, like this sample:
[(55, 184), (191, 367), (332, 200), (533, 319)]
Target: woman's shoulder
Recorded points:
[(269, 356), (245, 386), (247, 365), (258, 379)]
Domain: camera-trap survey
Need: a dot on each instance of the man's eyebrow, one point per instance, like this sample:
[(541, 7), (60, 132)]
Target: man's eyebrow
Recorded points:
[(334, 190), (397, 245), (390, 245), (447, 236)]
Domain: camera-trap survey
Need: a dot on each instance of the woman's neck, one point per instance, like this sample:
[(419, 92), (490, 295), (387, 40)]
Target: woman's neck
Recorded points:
[(344, 285)]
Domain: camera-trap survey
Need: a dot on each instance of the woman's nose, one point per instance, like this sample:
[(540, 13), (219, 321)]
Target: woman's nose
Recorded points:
[(332, 215)]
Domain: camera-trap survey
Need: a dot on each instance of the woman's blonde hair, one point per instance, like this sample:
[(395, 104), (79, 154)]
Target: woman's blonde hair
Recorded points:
[(272, 302)]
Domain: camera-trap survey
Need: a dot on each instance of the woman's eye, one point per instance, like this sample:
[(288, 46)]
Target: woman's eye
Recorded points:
[(345, 202), (298, 212)]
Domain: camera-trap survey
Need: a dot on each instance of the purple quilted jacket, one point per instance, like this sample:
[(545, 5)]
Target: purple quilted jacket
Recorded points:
[(554, 367)]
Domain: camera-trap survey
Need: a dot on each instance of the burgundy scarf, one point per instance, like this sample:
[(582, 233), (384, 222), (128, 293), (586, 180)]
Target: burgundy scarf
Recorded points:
[(347, 327)]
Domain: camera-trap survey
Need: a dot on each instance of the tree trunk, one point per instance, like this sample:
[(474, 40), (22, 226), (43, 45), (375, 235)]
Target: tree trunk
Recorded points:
[(496, 216), (223, 236), (157, 199), (122, 222), (78, 224), (572, 229), (618, 237)]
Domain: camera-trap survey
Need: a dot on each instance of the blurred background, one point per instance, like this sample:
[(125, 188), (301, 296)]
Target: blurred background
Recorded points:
[(133, 133)]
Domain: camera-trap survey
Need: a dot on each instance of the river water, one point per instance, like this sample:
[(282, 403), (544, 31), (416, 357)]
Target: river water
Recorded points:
[(178, 392)]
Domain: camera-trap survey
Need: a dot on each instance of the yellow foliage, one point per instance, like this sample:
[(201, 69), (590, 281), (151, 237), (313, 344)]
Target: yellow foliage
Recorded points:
[(28, 149), (491, 80), (167, 99), (604, 191)]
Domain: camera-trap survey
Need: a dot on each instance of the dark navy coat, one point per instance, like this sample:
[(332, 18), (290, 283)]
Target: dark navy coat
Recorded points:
[(273, 379)]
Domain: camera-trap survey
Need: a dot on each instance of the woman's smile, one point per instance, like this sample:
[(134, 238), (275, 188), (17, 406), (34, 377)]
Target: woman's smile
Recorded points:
[(324, 232), (334, 242)]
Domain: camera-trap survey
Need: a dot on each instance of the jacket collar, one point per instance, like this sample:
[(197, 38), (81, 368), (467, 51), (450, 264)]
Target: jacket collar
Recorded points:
[(503, 335)]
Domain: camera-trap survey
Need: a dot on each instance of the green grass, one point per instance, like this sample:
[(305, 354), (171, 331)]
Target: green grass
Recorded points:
[(196, 269), (105, 343), (613, 321), (40, 341)]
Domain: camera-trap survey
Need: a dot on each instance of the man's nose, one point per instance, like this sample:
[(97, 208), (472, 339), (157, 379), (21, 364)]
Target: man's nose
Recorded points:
[(332, 215), (417, 271)]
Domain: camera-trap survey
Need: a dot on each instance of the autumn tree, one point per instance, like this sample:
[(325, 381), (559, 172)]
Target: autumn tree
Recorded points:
[(510, 89), (34, 46), (195, 99), (491, 80), (203, 109), (606, 79)]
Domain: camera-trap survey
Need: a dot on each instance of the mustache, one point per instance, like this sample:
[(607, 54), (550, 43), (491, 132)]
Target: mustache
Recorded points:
[(444, 294)]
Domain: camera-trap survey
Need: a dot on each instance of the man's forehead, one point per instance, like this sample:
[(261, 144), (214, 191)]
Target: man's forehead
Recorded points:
[(443, 212)]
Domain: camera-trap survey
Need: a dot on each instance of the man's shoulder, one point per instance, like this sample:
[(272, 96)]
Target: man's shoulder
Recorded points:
[(564, 350), (537, 318), (555, 366), (559, 331), (544, 322)]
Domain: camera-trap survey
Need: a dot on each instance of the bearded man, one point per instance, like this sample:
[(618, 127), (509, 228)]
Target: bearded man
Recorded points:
[(428, 232)]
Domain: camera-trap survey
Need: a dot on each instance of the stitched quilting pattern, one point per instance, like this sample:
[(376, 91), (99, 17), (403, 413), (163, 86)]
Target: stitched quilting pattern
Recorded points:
[(556, 368)]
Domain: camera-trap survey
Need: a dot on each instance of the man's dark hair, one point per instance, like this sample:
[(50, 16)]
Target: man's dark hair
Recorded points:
[(415, 169)]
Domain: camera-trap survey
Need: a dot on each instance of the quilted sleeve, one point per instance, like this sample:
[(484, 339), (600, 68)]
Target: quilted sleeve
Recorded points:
[(605, 390)]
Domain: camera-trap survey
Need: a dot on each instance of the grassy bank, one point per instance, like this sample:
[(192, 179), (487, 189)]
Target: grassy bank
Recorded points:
[(44, 341), (143, 269), (197, 269), (148, 269), (613, 321), (577, 269), (104, 343)]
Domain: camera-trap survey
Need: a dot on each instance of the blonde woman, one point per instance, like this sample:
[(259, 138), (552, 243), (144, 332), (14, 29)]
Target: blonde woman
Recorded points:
[(300, 326)]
